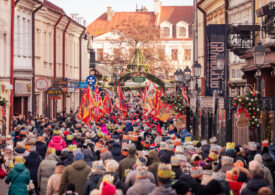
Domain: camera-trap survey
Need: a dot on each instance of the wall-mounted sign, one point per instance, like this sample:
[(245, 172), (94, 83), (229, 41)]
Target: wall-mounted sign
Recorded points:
[(216, 43), (54, 91), (60, 83), (41, 84), (138, 79)]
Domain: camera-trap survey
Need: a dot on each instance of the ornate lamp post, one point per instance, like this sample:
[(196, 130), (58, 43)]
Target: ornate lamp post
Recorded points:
[(259, 58), (197, 73), (220, 69), (187, 79)]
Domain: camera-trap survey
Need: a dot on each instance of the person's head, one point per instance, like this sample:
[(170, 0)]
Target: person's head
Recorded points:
[(97, 166), (265, 191), (78, 156), (111, 165), (164, 173), (257, 173), (70, 187)]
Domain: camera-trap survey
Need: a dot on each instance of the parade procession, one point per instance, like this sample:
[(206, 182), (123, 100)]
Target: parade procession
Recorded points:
[(154, 97)]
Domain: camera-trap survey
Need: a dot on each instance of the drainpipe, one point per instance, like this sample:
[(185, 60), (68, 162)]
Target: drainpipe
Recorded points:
[(54, 59), (63, 62), (80, 61), (33, 55), (204, 34), (253, 20), (12, 62)]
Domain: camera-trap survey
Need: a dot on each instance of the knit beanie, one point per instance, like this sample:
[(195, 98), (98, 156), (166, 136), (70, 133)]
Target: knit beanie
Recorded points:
[(108, 189), (78, 156)]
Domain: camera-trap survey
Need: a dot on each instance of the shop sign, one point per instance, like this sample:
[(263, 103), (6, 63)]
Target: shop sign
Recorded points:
[(138, 79), (41, 84), (55, 91), (60, 83)]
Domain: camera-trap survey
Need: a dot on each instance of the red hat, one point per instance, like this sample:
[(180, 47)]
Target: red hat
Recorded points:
[(108, 189), (66, 133)]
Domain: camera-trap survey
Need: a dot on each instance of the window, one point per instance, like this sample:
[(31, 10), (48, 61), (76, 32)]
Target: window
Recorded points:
[(165, 32), (182, 31), (233, 73), (99, 54), (187, 54), (174, 54)]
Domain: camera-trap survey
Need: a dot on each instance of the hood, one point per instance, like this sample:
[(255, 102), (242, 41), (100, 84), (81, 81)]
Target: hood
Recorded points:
[(115, 149), (19, 167), (79, 164), (153, 156), (34, 154), (267, 158), (52, 157), (59, 169), (56, 138), (88, 155), (167, 190), (256, 184)]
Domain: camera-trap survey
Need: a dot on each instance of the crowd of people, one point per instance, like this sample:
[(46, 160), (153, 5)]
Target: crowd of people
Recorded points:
[(132, 156)]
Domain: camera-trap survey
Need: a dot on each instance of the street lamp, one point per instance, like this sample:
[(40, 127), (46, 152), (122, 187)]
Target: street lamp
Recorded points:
[(259, 58), (187, 79), (197, 73), (220, 60)]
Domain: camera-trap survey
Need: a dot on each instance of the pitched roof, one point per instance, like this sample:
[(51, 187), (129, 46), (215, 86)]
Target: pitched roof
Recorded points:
[(101, 25), (53, 7), (174, 14)]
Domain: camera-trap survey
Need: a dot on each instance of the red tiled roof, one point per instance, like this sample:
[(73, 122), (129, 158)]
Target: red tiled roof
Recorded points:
[(53, 7), (101, 25), (174, 14)]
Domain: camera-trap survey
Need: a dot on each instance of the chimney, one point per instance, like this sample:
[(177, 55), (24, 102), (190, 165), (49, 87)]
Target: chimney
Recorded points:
[(109, 13), (157, 5)]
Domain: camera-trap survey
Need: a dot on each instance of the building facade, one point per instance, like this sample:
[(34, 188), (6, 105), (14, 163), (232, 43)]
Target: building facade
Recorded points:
[(5, 62), (175, 28)]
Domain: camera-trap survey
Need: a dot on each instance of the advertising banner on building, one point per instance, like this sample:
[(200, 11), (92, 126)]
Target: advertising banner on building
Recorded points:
[(215, 45)]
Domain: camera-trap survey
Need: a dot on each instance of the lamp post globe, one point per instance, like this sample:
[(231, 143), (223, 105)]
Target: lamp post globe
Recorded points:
[(259, 54), (197, 69), (187, 74)]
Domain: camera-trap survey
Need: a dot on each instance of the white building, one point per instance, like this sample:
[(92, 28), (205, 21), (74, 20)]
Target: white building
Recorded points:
[(174, 23), (5, 58)]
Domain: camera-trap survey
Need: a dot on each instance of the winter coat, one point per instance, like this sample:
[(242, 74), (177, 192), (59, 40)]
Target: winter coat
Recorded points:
[(30, 139), (32, 164), (163, 190), (45, 170), (141, 187), (75, 173), (54, 181), (235, 186), (57, 142), (205, 151), (41, 148), (19, 177), (119, 185), (177, 171), (132, 177), (253, 186), (251, 155), (93, 181), (153, 159), (128, 127), (165, 156), (272, 151), (195, 186), (89, 156), (115, 149), (125, 164), (67, 158), (270, 164)]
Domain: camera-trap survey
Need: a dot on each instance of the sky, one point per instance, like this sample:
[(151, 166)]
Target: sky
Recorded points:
[(91, 9)]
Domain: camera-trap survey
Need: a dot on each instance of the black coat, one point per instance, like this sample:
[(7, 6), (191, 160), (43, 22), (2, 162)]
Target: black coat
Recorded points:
[(253, 186), (67, 158), (177, 171), (165, 156), (92, 182), (115, 149), (32, 164), (41, 148)]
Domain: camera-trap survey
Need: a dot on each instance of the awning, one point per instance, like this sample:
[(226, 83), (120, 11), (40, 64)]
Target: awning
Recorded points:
[(104, 70)]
